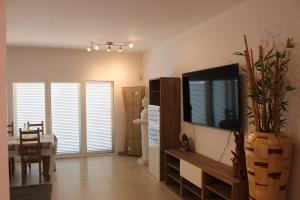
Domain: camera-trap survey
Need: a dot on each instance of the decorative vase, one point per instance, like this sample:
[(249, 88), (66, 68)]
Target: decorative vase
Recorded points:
[(268, 159)]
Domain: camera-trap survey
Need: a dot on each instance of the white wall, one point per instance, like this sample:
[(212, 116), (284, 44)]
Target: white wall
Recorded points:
[(212, 43), (4, 193), (47, 64)]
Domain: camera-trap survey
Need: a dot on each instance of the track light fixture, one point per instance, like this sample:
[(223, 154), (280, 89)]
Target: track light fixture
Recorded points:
[(130, 45), (89, 49), (97, 47), (120, 49), (110, 46)]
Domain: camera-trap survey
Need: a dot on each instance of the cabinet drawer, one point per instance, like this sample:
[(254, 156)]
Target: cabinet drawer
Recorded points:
[(191, 173)]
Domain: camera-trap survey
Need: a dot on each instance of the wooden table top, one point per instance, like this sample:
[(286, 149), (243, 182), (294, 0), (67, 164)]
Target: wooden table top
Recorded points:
[(46, 138)]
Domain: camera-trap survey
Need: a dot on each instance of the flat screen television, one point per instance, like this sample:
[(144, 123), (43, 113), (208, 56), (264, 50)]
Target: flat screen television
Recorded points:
[(211, 97)]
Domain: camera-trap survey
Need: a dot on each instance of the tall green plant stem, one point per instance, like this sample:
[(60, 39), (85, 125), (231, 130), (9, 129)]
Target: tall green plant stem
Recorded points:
[(250, 68)]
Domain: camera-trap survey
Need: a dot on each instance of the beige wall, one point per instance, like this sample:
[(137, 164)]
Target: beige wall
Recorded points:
[(4, 194), (212, 43), (47, 64)]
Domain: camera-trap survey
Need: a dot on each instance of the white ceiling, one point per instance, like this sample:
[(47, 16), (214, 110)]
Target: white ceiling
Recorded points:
[(73, 23)]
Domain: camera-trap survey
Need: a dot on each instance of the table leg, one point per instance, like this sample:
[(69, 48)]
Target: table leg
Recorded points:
[(9, 168), (13, 165), (46, 167)]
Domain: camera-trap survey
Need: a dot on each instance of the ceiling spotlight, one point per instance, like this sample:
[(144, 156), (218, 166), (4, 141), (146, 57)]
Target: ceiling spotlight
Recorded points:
[(130, 45), (97, 47), (108, 49), (120, 49), (120, 46)]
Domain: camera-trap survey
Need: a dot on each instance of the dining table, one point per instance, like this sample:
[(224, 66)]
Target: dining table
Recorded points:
[(48, 151)]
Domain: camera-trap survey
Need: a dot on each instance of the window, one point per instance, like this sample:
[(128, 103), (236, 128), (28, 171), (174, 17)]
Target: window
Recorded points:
[(29, 103), (99, 116), (65, 116)]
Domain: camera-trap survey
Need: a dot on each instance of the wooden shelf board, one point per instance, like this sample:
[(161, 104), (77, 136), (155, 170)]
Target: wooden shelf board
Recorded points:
[(193, 189), (173, 176), (191, 198), (174, 187), (173, 165), (222, 190)]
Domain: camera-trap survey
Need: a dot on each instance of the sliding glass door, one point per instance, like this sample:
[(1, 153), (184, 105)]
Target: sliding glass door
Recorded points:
[(99, 99), (65, 114), (65, 106)]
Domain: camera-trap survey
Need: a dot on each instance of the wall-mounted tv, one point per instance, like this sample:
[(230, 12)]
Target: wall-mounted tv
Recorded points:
[(211, 97)]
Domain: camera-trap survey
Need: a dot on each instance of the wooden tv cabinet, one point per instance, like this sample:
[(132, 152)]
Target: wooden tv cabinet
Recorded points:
[(194, 176)]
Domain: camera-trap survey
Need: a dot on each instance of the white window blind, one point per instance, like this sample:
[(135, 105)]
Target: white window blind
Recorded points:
[(65, 114), (29, 103), (99, 116)]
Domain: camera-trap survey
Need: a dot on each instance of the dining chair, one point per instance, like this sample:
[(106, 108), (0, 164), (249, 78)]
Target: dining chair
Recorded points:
[(32, 126), (10, 128), (30, 151), (11, 160)]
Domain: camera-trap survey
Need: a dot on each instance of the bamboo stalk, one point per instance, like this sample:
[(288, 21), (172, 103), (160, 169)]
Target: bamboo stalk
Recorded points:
[(252, 60), (252, 85), (275, 114), (256, 99), (264, 106)]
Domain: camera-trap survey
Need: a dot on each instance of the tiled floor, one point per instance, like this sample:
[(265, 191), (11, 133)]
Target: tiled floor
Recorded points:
[(107, 178)]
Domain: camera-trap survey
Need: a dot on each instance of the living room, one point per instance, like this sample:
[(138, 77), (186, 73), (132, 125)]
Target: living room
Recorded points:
[(49, 43)]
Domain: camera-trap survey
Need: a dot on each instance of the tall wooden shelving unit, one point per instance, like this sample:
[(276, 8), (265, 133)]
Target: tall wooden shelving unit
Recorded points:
[(164, 121)]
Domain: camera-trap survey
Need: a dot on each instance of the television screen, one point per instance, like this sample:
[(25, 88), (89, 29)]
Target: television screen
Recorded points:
[(211, 97)]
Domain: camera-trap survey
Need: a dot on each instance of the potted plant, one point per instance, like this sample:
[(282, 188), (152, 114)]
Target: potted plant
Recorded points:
[(268, 149)]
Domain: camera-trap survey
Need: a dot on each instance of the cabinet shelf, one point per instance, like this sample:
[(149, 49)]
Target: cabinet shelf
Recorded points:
[(174, 186), (189, 197), (220, 189), (174, 176), (192, 188), (173, 165)]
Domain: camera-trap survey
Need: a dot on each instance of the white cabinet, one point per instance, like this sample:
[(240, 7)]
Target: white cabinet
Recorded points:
[(154, 124), (154, 160), (191, 173), (154, 135)]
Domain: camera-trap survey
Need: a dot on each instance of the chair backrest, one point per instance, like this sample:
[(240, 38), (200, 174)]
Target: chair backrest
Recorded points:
[(32, 126), (10, 128), (30, 143)]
